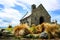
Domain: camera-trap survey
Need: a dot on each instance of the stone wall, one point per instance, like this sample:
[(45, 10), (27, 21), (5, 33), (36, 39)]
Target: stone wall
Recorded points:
[(37, 13)]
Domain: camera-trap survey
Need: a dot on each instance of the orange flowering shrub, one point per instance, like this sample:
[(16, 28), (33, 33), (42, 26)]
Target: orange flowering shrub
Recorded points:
[(50, 28), (21, 29), (24, 29), (38, 29)]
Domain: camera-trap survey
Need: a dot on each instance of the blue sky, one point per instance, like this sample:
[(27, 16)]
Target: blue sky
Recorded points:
[(11, 11)]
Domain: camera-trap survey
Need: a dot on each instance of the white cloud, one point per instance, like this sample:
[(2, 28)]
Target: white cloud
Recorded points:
[(7, 3), (10, 3), (50, 5), (22, 5), (12, 14), (28, 1), (15, 22), (9, 13)]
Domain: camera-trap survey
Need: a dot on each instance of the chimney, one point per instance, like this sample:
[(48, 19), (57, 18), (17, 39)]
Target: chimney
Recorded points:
[(33, 6)]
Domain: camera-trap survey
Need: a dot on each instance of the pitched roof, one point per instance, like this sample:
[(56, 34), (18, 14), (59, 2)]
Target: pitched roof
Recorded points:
[(26, 15), (41, 6)]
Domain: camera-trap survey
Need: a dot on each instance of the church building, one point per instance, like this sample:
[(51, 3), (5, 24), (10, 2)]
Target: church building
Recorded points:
[(37, 15)]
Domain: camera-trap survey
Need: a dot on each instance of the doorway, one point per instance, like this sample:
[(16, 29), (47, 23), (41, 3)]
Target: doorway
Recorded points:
[(41, 20)]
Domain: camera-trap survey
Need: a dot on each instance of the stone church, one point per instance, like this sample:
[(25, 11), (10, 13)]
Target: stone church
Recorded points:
[(37, 15)]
